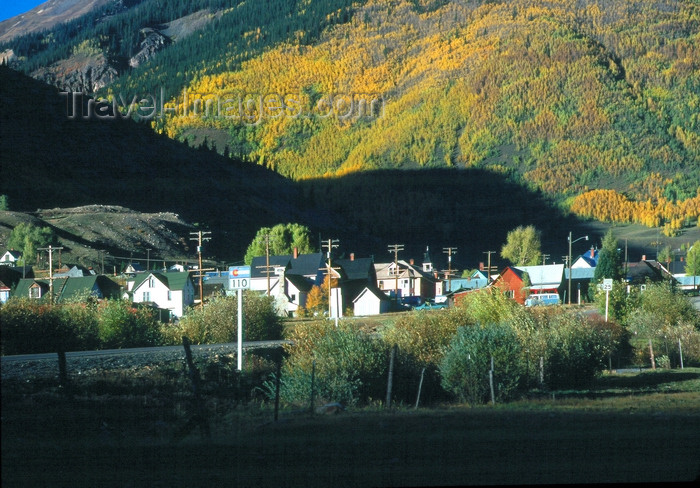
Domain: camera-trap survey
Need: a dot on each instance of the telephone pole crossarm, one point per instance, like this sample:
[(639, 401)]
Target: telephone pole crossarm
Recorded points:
[(200, 236), (396, 248)]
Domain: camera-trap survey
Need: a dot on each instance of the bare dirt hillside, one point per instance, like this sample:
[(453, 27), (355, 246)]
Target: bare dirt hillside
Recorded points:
[(122, 233)]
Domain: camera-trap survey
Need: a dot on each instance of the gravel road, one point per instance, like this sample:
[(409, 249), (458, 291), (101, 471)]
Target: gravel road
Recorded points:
[(90, 362)]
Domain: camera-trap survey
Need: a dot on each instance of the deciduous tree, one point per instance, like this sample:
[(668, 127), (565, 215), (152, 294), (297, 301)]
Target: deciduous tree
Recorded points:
[(523, 246)]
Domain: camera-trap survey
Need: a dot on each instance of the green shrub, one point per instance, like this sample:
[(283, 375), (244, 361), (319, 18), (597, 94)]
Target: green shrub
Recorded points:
[(217, 321), (34, 326), (466, 364), (120, 325), (425, 334), (351, 366), (576, 352)]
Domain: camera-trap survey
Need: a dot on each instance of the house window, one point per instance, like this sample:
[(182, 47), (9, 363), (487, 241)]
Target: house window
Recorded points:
[(146, 296), (170, 295), (35, 292), (151, 282)]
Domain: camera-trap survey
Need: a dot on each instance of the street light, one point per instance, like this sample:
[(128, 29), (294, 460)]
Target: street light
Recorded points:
[(570, 243)]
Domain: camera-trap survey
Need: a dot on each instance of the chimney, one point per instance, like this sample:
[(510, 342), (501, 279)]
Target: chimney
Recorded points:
[(592, 252), (644, 257), (481, 266), (352, 256), (410, 261), (296, 252)]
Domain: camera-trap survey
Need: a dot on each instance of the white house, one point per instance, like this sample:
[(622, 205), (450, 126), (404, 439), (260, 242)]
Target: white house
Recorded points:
[(371, 301), (10, 258), (170, 291), (412, 281)]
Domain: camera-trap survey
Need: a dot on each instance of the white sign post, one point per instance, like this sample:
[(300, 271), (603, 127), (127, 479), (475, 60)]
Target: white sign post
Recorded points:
[(239, 281), (607, 286)]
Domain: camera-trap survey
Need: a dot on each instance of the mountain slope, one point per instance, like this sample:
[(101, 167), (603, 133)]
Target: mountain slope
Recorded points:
[(49, 160), (47, 15)]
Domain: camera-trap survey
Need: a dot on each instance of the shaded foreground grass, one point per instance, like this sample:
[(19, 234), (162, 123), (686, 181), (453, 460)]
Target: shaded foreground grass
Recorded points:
[(640, 428)]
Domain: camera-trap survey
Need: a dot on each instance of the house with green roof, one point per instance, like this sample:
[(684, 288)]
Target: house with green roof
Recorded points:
[(68, 289), (172, 291)]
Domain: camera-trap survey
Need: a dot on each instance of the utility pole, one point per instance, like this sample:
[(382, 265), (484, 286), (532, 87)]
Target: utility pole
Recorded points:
[(51, 249), (488, 265), (568, 294), (544, 258), (449, 251), (199, 237), (396, 248), (267, 262), (329, 246)]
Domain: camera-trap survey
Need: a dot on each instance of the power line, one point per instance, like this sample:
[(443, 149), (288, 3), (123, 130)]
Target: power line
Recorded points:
[(199, 236), (51, 249), (449, 251), (396, 248), (329, 246)]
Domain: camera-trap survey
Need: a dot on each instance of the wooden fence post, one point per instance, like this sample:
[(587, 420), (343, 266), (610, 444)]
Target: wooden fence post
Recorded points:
[(277, 389), (313, 379), (390, 380), (200, 415), (62, 369), (680, 351), (420, 387), (493, 396)]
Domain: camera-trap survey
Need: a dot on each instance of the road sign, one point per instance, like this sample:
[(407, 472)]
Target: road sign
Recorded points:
[(240, 277), (239, 271), (607, 284)]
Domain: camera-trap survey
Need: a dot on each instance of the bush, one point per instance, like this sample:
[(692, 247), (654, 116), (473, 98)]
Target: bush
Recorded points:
[(217, 321), (466, 364), (31, 326), (351, 366), (120, 325), (425, 334), (576, 352)]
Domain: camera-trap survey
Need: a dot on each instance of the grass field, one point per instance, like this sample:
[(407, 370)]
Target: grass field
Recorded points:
[(635, 427)]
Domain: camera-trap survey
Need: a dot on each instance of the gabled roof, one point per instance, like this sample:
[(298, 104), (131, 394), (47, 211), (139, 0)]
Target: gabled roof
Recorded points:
[(357, 269), (638, 273), (4, 287), (13, 253), (374, 291), (23, 286), (76, 271), (303, 265), (587, 259), (257, 266), (301, 283), (306, 264), (543, 277), (78, 287), (174, 280), (384, 271)]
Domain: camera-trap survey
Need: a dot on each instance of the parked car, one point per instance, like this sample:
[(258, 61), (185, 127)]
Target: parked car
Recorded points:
[(542, 299), (431, 305)]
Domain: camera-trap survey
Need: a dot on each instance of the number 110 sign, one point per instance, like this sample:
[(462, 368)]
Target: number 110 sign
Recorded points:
[(240, 277)]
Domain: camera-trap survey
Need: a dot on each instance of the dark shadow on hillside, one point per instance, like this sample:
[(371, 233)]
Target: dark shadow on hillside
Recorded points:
[(472, 210), (48, 160)]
